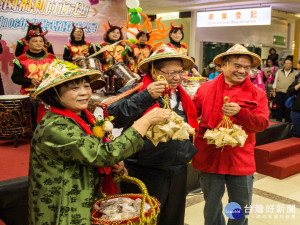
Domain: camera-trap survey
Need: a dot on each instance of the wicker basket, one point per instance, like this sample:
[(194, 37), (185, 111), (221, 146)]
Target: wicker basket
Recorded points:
[(145, 218)]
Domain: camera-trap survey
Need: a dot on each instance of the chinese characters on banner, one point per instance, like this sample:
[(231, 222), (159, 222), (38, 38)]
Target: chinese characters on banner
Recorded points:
[(57, 17), (239, 17)]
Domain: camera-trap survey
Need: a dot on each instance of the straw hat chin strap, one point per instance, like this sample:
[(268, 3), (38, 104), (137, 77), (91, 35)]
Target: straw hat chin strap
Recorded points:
[(59, 97), (227, 67)]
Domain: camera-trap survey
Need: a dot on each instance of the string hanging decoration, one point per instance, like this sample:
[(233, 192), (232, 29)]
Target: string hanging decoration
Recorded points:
[(226, 133)]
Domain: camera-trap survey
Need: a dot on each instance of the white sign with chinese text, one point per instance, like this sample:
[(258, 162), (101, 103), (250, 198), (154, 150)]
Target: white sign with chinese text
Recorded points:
[(238, 17), (168, 16)]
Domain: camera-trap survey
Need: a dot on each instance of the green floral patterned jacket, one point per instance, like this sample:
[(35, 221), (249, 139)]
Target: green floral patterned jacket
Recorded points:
[(63, 172)]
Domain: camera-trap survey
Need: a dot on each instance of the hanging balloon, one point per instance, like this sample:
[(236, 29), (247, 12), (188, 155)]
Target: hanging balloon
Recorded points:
[(130, 35), (135, 18), (132, 3)]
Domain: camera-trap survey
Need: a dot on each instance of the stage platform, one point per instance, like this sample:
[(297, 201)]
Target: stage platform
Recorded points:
[(275, 132)]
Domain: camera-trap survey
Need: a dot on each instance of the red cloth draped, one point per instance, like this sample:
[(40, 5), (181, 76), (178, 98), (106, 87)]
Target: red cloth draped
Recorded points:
[(214, 100), (187, 103), (108, 185), (41, 112)]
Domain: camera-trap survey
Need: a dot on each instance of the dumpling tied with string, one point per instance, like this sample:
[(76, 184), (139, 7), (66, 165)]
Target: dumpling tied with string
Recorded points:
[(226, 136), (173, 128)]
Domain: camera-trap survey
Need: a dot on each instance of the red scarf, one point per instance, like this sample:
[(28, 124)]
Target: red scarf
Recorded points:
[(187, 104), (108, 186), (213, 101)]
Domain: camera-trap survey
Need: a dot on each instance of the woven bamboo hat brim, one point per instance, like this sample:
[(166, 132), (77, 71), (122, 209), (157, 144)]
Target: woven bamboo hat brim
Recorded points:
[(162, 53), (238, 49), (60, 72)]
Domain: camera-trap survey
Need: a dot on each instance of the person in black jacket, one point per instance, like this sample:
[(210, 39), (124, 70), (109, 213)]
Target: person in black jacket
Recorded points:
[(273, 56), (294, 89), (163, 168)]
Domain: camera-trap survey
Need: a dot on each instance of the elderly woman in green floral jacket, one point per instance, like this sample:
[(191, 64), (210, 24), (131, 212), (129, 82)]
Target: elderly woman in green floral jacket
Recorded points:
[(63, 176)]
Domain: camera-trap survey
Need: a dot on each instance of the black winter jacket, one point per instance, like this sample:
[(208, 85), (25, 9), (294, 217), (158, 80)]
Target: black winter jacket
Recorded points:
[(291, 91), (167, 157)]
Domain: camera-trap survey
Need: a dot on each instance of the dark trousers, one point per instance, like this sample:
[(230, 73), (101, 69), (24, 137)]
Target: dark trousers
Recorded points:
[(295, 116), (239, 190), (282, 111), (170, 191)]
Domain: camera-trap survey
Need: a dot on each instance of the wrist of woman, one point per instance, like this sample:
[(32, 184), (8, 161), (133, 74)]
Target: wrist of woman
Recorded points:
[(141, 125)]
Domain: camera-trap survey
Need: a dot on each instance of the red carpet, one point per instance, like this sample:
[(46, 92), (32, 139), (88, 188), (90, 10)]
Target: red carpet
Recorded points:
[(278, 159), (14, 162)]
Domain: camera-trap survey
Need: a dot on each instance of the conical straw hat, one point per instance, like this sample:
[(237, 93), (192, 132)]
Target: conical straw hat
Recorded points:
[(61, 71), (165, 52), (238, 49)]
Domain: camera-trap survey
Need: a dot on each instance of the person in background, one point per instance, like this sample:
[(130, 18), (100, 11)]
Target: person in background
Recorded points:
[(22, 44), (269, 72), (194, 71), (215, 74), (273, 56), (163, 168), (233, 167), (30, 67), (77, 47), (210, 68), (298, 66), (176, 35), (111, 56), (294, 89), (283, 79), (257, 78), (139, 51), (66, 155)]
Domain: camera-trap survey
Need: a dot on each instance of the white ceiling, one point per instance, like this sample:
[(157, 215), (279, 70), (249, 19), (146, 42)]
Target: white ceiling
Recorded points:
[(162, 6)]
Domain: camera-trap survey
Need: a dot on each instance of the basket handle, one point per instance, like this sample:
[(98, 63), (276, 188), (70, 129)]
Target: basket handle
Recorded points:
[(119, 177)]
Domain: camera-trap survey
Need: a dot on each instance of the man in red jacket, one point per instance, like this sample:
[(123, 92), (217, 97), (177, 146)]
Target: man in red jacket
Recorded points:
[(230, 166)]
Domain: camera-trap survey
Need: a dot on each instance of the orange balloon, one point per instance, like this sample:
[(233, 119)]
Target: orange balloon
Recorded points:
[(105, 27), (156, 45), (184, 44)]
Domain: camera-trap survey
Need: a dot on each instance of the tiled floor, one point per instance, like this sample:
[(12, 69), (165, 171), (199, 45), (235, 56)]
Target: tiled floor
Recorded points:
[(274, 202)]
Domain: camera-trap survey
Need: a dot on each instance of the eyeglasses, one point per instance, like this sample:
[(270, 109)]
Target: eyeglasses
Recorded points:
[(173, 74)]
